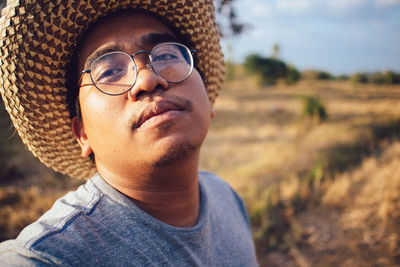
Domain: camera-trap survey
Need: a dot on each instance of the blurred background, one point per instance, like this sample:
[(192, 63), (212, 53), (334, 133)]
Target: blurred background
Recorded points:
[(307, 131)]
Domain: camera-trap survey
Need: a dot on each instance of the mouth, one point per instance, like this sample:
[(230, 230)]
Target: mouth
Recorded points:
[(159, 108)]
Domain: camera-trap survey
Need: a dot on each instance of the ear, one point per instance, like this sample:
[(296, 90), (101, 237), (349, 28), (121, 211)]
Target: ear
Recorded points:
[(212, 113), (78, 129)]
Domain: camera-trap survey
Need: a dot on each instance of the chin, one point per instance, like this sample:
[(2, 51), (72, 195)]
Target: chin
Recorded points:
[(177, 154)]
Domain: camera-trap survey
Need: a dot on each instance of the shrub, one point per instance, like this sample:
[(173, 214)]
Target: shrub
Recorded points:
[(377, 78), (323, 75), (343, 77), (313, 108), (359, 78), (317, 75), (391, 78)]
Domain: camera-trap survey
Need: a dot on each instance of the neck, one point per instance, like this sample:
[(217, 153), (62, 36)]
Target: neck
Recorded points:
[(178, 208), (170, 194)]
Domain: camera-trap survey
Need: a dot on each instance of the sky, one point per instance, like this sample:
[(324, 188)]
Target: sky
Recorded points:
[(338, 36)]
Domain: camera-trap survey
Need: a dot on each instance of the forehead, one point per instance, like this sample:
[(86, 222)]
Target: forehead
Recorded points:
[(128, 31)]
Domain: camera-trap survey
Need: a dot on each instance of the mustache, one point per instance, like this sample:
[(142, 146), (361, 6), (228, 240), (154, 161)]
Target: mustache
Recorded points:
[(166, 103)]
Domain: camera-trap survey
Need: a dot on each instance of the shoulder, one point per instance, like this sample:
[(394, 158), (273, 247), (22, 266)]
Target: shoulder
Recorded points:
[(62, 214), (223, 196), (52, 225)]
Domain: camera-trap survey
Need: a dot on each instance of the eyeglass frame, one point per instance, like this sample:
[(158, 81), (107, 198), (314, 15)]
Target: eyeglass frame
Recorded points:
[(149, 65)]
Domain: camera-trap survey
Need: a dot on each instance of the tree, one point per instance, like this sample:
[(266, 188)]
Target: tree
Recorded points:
[(359, 78), (275, 51), (232, 26), (377, 78), (391, 78), (293, 75), (323, 75), (269, 70)]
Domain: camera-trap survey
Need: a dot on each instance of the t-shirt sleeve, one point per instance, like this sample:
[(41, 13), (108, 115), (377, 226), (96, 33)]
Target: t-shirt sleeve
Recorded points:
[(242, 208)]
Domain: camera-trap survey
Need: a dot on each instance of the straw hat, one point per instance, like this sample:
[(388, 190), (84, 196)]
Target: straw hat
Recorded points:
[(37, 39)]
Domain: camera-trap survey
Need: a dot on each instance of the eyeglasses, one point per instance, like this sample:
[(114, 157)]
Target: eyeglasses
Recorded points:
[(115, 73)]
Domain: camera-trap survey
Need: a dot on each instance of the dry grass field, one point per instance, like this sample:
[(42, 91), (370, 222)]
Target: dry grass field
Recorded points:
[(318, 193)]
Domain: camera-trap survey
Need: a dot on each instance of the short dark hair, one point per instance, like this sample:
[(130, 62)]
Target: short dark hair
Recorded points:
[(72, 77)]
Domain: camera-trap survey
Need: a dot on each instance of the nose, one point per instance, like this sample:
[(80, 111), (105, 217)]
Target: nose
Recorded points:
[(147, 81)]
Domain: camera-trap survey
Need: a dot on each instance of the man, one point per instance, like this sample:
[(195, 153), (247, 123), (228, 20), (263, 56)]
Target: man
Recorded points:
[(140, 108)]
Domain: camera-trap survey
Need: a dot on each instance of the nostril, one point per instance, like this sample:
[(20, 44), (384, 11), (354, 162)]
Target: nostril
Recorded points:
[(140, 94), (146, 90)]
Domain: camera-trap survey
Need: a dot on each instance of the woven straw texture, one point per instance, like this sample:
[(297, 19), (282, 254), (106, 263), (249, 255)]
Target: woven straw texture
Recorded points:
[(37, 40)]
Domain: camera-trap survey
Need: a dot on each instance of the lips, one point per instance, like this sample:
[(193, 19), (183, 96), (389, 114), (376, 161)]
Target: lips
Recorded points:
[(159, 107)]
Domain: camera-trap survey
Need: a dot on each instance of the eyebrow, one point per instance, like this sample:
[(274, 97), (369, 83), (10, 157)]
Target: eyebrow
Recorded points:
[(152, 39), (146, 41), (102, 51)]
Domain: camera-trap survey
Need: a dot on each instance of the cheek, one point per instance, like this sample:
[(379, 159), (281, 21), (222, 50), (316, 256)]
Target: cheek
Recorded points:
[(99, 114), (199, 94), (195, 86)]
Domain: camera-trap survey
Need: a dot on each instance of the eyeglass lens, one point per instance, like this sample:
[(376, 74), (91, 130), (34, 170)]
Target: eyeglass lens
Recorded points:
[(115, 73)]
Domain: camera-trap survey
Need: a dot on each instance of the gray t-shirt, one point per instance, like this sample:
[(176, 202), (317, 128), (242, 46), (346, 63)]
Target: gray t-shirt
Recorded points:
[(98, 226)]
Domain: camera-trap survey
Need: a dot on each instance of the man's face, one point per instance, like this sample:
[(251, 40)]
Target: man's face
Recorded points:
[(154, 124)]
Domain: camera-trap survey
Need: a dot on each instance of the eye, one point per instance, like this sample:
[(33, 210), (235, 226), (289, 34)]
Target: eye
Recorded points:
[(165, 56), (110, 74), (110, 68)]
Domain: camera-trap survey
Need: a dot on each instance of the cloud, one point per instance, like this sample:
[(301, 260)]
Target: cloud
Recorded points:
[(343, 6), (297, 6), (387, 3), (311, 8), (260, 9)]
